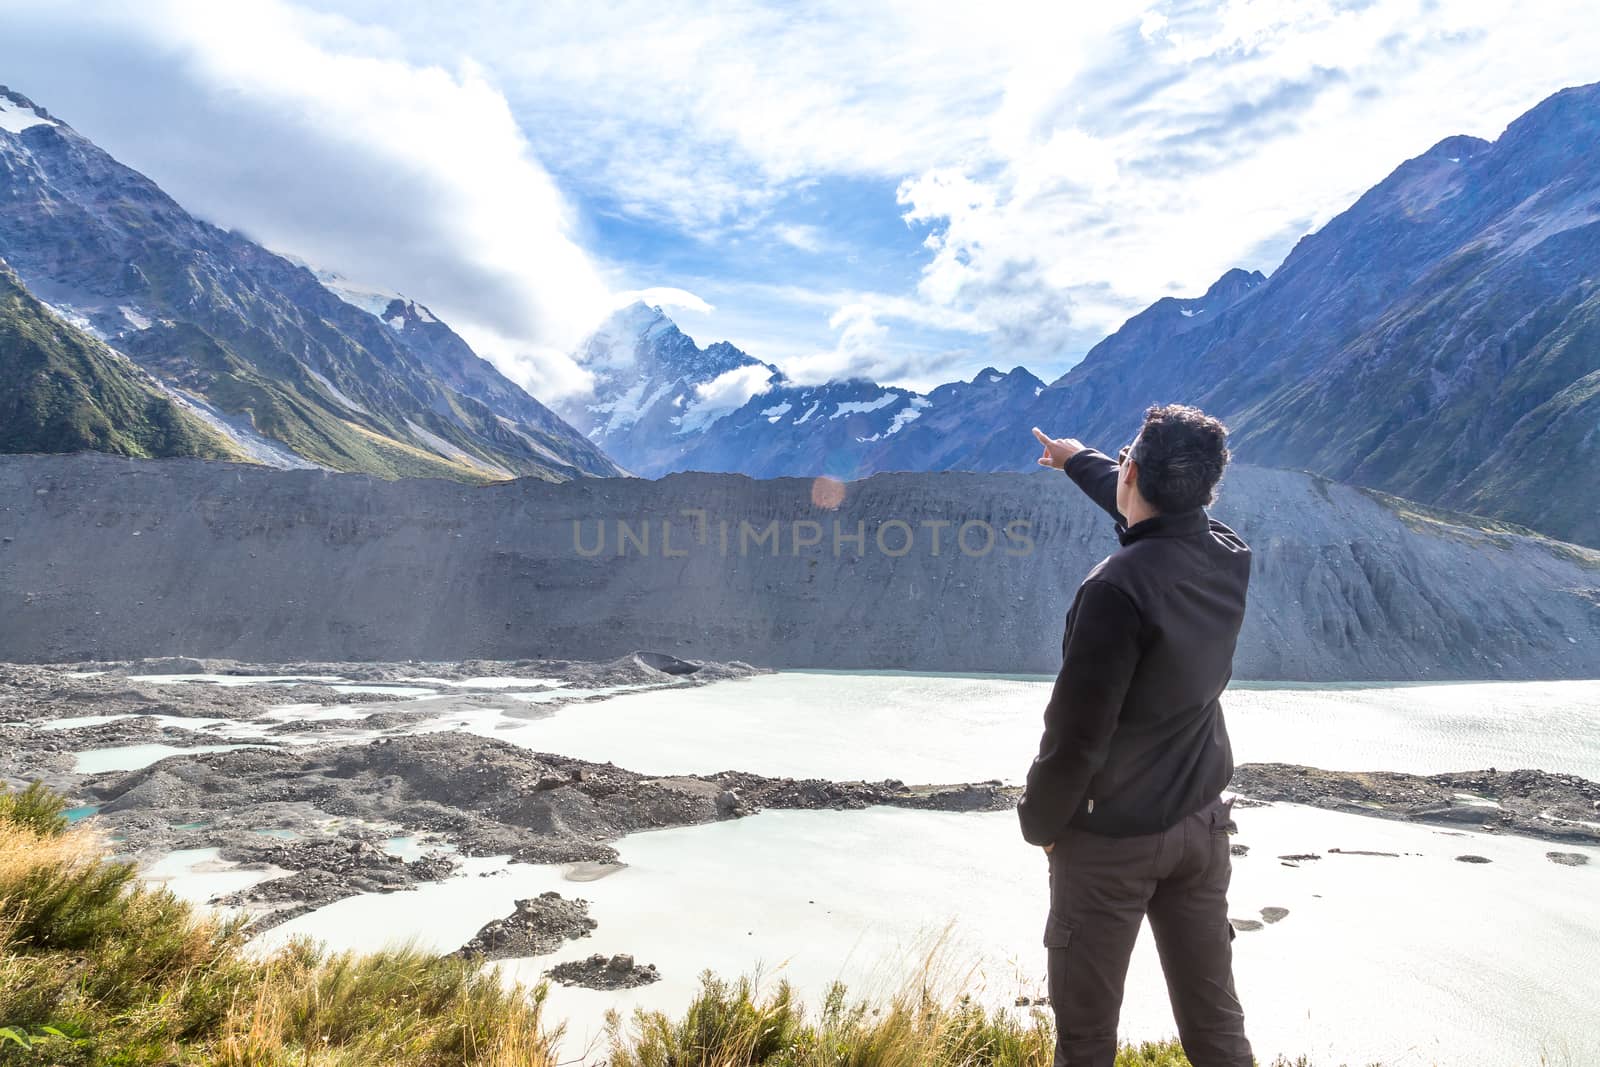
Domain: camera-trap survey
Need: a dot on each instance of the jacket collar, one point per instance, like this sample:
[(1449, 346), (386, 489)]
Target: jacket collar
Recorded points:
[(1176, 524)]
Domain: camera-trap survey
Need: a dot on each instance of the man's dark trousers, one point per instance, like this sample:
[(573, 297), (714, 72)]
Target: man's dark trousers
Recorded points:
[(1101, 888)]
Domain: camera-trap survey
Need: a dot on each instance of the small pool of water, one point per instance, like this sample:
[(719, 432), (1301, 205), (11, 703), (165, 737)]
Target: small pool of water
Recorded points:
[(411, 848), (78, 814), (198, 874), (134, 757)]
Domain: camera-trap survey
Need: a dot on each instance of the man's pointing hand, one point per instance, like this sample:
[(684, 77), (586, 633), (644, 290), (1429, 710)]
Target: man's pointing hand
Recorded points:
[(1057, 450)]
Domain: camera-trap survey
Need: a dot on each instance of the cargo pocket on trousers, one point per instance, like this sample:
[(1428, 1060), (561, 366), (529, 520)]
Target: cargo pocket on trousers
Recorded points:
[(1057, 931)]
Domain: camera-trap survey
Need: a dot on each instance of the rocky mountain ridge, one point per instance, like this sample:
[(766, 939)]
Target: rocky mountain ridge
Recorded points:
[(292, 373)]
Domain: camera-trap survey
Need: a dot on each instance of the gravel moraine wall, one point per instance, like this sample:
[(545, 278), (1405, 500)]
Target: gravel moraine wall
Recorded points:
[(108, 558)]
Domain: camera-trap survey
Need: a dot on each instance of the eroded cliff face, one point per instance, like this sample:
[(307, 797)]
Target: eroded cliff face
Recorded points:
[(102, 557)]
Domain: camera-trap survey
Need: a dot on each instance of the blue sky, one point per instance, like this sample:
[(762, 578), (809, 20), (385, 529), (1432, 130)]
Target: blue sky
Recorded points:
[(908, 190)]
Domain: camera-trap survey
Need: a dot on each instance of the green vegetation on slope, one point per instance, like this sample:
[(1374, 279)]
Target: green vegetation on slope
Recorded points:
[(288, 409), (63, 391)]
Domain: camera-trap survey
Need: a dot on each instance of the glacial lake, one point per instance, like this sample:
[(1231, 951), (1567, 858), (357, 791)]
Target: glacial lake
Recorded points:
[(1410, 960), (940, 728)]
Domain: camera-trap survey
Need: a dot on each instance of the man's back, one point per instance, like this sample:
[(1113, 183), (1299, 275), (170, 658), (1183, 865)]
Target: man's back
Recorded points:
[(1187, 574), (1180, 581)]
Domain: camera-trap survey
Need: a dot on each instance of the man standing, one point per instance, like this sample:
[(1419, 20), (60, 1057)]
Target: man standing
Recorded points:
[(1125, 795)]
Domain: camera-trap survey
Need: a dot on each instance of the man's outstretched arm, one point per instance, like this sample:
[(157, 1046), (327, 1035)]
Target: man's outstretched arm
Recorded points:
[(1094, 472), (1100, 653)]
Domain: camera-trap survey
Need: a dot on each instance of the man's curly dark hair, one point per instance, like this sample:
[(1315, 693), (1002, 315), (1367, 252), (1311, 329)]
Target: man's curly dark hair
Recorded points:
[(1181, 454)]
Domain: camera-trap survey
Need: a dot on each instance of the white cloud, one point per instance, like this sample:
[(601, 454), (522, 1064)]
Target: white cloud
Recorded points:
[(1076, 162), (663, 297), (797, 235), (726, 392), (1245, 126), (1073, 162), (307, 132)]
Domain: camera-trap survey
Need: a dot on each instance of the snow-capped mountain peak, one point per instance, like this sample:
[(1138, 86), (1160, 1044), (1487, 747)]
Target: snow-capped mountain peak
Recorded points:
[(18, 113), (655, 388)]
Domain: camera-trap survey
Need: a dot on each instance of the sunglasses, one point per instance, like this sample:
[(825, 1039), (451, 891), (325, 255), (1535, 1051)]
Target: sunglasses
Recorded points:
[(1126, 451)]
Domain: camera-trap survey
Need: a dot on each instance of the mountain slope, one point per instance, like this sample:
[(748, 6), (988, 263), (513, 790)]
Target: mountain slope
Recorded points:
[(250, 334), (1438, 340), (63, 391)]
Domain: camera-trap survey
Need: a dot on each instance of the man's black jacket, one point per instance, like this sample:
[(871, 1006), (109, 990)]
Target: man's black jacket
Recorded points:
[(1133, 735)]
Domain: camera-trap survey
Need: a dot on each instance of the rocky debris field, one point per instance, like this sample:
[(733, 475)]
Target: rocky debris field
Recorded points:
[(1553, 807), (141, 709), (324, 870), (598, 972), (537, 927)]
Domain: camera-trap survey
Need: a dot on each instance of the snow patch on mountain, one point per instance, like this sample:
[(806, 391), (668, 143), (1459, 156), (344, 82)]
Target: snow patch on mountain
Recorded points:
[(627, 409), (851, 406), (17, 115), (912, 411)]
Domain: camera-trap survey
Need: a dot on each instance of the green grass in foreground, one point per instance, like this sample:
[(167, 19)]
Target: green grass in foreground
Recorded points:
[(97, 969)]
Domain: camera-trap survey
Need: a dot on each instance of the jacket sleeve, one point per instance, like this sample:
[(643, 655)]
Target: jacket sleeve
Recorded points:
[(1096, 474), (1100, 652)]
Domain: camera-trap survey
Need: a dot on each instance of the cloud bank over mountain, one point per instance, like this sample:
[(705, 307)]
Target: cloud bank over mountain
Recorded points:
[(905, 192)]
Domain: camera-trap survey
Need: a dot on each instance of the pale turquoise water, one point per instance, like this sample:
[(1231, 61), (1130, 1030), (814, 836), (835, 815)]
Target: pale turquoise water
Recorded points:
[(947, 728), (133, 757)]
